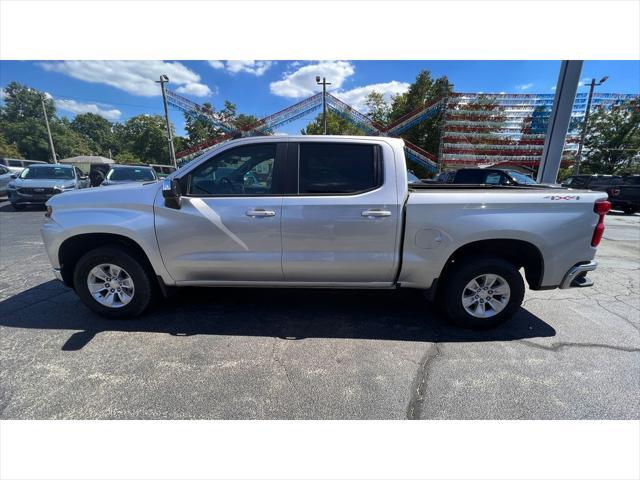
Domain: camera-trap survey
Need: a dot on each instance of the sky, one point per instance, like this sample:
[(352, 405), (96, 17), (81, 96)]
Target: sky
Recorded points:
[(118, 90)]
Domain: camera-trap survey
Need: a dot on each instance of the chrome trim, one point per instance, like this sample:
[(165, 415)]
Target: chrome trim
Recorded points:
[(575, 271), (58, 274)]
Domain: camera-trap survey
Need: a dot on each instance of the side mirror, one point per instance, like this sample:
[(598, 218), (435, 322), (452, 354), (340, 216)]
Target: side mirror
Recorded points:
[(13, 176), (171, 193)]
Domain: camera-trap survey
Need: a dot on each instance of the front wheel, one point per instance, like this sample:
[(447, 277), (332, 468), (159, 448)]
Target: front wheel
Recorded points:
[(113, 283), (18, 207), (482, 292)]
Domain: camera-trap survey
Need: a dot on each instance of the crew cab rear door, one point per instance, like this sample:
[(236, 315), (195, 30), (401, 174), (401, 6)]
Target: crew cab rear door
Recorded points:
[(228, 226), (341, 218)]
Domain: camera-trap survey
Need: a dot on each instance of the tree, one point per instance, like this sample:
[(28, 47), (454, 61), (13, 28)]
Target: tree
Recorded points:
[(422, 91), (96, 131), (22, 102), (22, 120), (144, 136), (612, 144), (199, 128), (67, 142), (8, 150), (336, 125), (126, 157), (379, 109)]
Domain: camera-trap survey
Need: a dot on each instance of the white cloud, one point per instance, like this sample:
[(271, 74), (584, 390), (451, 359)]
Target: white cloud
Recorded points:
[(77, 107), (254, 67), (134, 77), (196, 89), (584, 81), (357, 97), (3, 94), (525, 86), (554, 88), (302, 82)]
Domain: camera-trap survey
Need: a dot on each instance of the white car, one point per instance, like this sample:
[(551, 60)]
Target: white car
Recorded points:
[(5, 178)]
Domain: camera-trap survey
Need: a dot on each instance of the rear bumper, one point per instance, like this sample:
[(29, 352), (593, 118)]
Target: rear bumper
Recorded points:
[(577, 275)]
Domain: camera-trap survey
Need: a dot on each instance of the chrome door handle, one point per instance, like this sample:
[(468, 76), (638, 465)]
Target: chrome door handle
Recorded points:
[(260, 212), (376, 213)]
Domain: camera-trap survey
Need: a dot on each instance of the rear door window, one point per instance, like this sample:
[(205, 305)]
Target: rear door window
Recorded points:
[(338, 168)]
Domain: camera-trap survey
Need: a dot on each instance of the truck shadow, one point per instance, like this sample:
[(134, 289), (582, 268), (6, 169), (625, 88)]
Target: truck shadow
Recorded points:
[(291, 314)]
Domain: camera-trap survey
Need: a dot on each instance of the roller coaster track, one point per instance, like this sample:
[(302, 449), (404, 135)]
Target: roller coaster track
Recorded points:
[(420, 156), (414, 117), (469, 134)]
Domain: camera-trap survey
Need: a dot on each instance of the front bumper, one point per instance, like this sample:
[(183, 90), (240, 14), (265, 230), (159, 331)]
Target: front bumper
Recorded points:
[(577, 275), (29, 199)]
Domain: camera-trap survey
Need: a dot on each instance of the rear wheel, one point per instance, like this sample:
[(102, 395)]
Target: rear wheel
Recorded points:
[(482, 292), (629, 209), (112, 283), (17, 206)]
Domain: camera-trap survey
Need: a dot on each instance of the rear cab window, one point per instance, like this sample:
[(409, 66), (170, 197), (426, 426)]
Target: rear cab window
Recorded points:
[(338, 168)]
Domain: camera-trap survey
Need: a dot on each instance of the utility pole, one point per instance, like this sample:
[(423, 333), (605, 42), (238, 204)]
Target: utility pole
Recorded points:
[(46, 121), (593, 85), (324, 84), (172, 153)]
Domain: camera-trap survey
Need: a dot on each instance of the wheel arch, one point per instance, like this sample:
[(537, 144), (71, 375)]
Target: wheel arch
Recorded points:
[(73, 248), (520, 253)]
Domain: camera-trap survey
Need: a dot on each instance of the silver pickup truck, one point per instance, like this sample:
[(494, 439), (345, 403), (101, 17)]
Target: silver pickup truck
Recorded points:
[(329, 212)]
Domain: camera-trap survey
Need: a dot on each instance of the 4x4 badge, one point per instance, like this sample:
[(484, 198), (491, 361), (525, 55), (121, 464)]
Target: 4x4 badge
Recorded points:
[(563, 197)]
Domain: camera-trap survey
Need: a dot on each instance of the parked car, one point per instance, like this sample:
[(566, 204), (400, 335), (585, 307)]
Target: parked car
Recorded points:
[(445, 177), (487, 176), (335, 212), (38, 183), (119, 174), (16, 165), (626, 196), (5, 178), (593, 182)]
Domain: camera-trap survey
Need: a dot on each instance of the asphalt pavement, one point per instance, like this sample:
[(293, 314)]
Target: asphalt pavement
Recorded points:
[(316, 354)]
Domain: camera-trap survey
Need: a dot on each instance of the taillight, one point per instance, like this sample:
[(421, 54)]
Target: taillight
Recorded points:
[(601, 207)]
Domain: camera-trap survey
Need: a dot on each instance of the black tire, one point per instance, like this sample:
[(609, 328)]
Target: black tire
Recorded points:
[(18, 207), (467, 269), (629, 209), (145, 286)]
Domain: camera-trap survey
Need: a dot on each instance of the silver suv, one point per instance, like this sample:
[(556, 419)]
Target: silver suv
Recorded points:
[(38, 183)]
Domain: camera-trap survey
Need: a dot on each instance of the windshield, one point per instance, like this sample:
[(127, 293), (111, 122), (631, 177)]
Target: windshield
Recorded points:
[(48, 172), (522, 179), (132, 174)]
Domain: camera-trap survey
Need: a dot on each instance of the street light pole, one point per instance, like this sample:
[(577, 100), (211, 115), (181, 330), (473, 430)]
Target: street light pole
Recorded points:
[(172, 153), (583, 134), (324, 84), (46, 121)]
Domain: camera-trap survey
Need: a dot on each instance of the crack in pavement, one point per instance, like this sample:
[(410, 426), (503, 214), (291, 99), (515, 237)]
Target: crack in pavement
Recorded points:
[(419, 384), (556, 346)]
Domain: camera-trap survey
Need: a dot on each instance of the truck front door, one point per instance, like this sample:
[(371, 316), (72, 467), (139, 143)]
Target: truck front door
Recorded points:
[(228, 227)]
